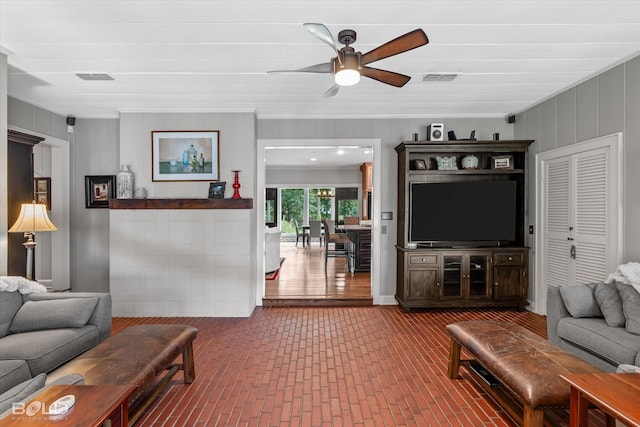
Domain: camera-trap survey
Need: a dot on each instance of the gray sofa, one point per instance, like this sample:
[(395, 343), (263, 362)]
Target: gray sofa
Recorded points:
[(596, 322), (41, 331)]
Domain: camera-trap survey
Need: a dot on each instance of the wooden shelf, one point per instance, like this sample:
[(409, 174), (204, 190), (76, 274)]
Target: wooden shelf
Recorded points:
[(181, 204), (465, 171)]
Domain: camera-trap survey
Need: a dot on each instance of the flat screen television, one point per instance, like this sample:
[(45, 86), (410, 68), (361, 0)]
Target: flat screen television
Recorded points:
[(463, 212)]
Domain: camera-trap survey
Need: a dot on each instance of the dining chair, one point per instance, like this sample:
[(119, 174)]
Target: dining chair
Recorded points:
[(351, 220), (300, 233), (315, 231), (331, 237)]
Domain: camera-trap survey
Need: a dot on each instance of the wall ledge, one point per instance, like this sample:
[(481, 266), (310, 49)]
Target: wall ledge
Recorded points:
[(181, 204)]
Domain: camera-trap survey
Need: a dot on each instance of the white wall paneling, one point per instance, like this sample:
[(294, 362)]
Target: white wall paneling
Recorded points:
[(4, 226), (606, 104), (185, 262)]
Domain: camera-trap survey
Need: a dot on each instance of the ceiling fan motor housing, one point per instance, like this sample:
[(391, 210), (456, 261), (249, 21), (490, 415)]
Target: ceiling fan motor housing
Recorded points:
[(346, 60)]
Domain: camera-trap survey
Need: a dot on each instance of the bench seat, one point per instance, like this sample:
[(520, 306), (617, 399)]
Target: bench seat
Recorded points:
[(527, 365), (139, 355)]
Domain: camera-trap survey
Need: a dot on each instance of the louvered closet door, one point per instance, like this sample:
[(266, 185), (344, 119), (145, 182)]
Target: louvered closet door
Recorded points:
[(579, 214), (591, 216), (558, 206)]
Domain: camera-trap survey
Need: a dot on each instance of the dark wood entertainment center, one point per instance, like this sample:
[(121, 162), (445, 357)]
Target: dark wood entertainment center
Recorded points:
[(461, 273)]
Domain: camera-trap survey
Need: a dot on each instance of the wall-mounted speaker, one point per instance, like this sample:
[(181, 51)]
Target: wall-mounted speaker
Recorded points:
[(511, 118), (435, 132), (71, 121)]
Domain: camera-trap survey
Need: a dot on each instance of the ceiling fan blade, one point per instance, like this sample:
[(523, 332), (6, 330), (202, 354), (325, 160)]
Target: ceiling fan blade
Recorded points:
[(318, 68), (323, 33), (332, 91), (411, 40), (388, 77)]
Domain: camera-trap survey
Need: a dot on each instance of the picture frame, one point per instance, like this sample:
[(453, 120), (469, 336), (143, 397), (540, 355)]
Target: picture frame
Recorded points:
[(419, 164), (502, 162), (216, 190), (42, 191), (98, 190), (185, 155)]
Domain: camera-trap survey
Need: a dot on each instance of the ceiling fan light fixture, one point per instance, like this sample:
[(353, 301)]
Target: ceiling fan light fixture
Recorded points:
[(347, 77)]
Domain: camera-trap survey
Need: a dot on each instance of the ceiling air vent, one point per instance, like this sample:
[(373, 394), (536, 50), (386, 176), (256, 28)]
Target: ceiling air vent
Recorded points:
[(94, 76), (439, 77)]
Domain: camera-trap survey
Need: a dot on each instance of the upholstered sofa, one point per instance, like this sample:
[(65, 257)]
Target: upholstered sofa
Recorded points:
[(599, 323), (272, 249), (40, 331)]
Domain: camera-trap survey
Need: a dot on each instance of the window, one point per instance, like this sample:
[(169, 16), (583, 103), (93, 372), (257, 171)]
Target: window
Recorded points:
[(271, 207), (320, 207), (292, 205), (346, 203)]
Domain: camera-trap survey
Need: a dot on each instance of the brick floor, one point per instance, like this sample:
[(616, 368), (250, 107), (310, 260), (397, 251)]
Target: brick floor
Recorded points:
[(342, 366)]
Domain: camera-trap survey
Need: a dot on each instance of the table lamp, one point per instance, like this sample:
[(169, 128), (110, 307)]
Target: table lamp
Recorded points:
[(33, 218)]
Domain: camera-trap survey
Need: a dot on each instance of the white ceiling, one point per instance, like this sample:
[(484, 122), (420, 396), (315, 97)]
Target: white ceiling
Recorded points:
[(317, 157), (177, 56)]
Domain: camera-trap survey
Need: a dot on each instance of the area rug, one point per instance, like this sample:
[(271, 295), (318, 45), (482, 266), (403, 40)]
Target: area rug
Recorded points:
[(274, 274)]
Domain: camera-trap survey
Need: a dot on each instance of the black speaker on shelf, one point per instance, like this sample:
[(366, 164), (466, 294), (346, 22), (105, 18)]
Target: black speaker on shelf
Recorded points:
[(435, 132)]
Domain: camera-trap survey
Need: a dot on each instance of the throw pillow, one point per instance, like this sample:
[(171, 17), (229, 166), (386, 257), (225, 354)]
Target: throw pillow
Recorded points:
[(53, 314), (610, 304), (630, 307), (21, 392), (580, 300), (627, 369)]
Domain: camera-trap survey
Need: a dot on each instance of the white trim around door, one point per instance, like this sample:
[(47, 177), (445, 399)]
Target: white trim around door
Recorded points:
[(579, 214), (376, 208)]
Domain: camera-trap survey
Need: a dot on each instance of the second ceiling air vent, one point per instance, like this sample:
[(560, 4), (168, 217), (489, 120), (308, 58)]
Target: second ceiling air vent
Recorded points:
[(94, 76), (439, 77)]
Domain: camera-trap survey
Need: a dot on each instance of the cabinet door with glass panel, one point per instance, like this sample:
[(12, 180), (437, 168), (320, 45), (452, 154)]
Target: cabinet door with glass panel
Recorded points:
[(466, 275), (478, 275)]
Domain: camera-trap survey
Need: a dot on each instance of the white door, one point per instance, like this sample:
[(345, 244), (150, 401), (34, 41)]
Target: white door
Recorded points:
[(579, 214)]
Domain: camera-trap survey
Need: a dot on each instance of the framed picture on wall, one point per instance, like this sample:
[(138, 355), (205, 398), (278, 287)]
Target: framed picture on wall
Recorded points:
[(185, 155), (98, 190), (42, 191)]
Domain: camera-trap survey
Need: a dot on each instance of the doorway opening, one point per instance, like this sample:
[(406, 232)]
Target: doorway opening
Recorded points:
[(270, 210)]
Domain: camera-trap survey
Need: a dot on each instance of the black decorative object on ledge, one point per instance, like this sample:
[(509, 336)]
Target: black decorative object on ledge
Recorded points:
[(216, 190), (99, 189)]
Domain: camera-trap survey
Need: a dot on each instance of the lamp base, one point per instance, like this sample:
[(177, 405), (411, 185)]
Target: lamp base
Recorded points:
[(30, 244)]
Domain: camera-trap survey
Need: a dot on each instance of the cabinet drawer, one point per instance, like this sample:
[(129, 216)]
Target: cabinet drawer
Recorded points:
[(509, 259), (423, 259), (364, 245)]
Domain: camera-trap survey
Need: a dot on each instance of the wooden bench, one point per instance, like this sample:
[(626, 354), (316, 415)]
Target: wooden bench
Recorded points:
[(142, 355), (526, 366)]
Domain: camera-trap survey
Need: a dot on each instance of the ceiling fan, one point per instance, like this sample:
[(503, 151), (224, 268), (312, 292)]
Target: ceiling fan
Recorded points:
[(349, 65)]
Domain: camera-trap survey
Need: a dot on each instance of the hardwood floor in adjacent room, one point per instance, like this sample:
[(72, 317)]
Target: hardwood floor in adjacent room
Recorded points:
[(302, 280), (328, 366)]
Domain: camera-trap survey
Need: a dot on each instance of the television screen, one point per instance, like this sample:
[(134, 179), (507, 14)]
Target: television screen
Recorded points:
[(463, 211)]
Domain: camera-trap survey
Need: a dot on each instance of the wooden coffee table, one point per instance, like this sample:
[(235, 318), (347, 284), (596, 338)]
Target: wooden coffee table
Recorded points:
[(617, 395), (94, 405)]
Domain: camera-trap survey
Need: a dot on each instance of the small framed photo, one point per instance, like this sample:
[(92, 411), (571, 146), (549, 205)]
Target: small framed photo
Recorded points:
[(98, 190), (419, 165), (42, 191), (502, 162), (216, 190)]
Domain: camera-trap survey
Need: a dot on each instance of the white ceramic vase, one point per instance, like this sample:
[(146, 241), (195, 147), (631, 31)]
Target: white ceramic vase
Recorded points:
[(125, 183), (469, 161)]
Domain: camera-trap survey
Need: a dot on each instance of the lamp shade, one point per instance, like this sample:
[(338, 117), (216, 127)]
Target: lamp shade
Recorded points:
[(33, 218)]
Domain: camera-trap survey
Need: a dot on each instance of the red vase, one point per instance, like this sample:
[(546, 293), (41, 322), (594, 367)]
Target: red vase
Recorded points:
[(236, 186)]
